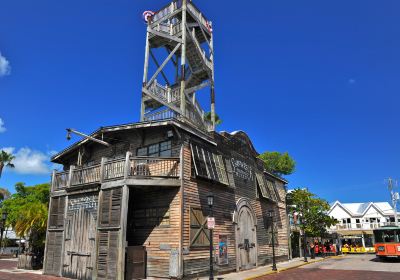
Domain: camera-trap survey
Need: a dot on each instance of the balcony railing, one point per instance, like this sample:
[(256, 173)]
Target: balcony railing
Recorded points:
[(86, 175), (154, 167), (358, 226), (116, 169), (60, 180)]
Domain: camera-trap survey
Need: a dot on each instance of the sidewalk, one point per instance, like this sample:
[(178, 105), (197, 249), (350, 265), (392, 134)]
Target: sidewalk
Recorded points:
[(265, 270)]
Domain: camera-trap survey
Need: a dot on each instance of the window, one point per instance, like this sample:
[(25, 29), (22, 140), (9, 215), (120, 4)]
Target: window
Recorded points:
[(151, 217), (388, 235), (142, 152), (165, 149), (199, 234), (162, 149), (154, 150), (209, 165)]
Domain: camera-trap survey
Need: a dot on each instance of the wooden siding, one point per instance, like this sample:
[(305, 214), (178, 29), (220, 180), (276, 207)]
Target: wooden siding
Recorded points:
[(158, 239), (196, 260)]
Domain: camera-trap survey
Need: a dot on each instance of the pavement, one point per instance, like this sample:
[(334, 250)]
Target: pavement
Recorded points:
[(349, 267), (9, 271), (266, 270)]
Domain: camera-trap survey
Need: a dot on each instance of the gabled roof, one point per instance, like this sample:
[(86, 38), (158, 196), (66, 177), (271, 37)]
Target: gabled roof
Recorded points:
[(360, 209), (108, 129)]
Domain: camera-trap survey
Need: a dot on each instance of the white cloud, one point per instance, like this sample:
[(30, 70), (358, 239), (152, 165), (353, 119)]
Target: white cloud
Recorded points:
[(28, 161), (2, 127), (5, 68)]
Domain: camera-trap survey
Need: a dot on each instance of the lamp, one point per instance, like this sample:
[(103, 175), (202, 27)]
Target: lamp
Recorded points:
[(4, 216), (271, 215), (210, 200)]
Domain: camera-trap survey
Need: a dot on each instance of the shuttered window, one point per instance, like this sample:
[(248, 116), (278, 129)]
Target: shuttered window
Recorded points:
[(107, 255), (209, 165), (53, 252), (270, 186), (57, 212), (275, 187), (110, 212), (199, 234), (263, 188)]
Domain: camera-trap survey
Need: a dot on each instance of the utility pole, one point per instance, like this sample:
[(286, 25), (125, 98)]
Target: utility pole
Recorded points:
[(395, 197)]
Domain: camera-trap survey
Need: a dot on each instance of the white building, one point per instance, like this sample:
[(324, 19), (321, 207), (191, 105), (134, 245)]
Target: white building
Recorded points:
[(357, 220)]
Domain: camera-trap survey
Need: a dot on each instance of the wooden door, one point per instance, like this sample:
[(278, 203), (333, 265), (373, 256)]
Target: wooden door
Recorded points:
[(246, 239), (136, 263), (80, 238)]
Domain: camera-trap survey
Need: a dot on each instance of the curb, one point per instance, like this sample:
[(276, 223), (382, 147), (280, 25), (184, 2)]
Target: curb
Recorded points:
[(292, 267)]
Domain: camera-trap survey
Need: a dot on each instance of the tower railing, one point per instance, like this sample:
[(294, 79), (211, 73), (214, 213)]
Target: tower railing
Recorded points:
[(195, 12), (166, 11)]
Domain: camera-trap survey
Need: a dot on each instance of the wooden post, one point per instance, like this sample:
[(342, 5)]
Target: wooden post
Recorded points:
[(145, 73), (127, 164), (71, 170), (53, 177), (183, 60), (122, 235), (212, 83), (102, 169)]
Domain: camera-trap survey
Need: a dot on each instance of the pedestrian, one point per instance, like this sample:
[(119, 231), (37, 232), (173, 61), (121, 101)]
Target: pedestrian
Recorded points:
[(312, 250)]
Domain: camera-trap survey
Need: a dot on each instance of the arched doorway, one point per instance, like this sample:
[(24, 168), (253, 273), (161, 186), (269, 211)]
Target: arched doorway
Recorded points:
[(246, 236)]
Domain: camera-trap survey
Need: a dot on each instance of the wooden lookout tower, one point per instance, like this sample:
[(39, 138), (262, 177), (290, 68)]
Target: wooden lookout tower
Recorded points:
[(187, 66)]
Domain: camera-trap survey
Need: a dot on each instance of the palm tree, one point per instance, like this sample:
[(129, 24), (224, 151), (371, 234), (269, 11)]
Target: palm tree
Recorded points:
[(207, 116), (4, 194), (6, 160)]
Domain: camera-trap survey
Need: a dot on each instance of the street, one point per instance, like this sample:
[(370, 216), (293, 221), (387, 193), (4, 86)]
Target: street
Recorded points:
[(350, 267)]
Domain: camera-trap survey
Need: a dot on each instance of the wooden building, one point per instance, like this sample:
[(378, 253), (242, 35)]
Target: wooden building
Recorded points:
[(132, 199)]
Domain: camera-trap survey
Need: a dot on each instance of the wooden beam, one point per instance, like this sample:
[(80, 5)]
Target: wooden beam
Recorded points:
[(165, 35), (158, 65), (196, 88), (183, 59), (163, 65), (122, 239)]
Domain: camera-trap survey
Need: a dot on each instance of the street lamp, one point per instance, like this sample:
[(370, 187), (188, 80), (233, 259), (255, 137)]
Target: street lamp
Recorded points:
[(3, 225), (271, 216), (210, 202)]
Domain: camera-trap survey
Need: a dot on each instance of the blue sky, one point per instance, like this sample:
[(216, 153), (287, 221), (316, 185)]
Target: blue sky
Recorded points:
[(319, 79)]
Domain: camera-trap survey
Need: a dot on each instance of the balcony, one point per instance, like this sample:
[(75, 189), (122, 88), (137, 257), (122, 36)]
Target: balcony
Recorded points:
[(130, 169), (360, 226)]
